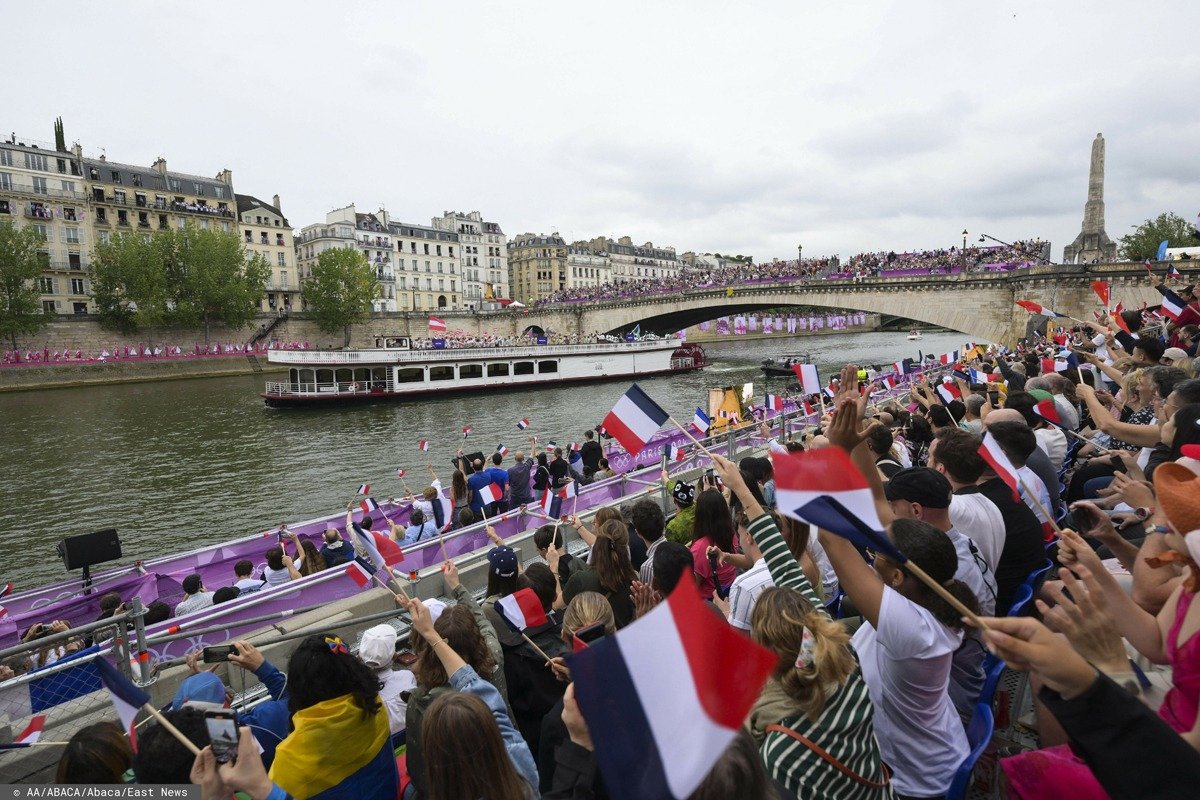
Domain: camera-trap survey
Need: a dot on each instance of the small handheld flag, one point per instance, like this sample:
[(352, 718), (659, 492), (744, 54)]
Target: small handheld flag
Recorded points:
[(810, 379), (401, 472), (546, 500), (998, 460), (948, 393), (27, 737), (700, 421), (1101, 290), (501, 449), (568, 491), (466, 431), (635, 419), (423, 446), (1048, 411), (1173, 273), (522, 424), (360, 572), (551, 446), (1036, 308), (368, 505), (126, 698), (382, 551), (774, 402), (1172, 304), (522, 610), (363, 488), (491, 493)]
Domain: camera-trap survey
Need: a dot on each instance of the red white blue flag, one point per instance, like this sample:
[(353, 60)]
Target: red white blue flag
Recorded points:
[(1047, 410), (522, 610), (635, 419), (522, 424), (948, 392), (360, 572), (368, 505), (568, 491), (490, 494), (1172, 305), (423, 446), (32, 732), (773, 402), (998, 460), (501, 449), (810, 380), (666, 695), (382, 551), (700, 420), (126, 698), (363, 488), (1037, 308)]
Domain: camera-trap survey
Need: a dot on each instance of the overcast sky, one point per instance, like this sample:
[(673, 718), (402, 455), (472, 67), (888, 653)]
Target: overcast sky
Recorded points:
[(709, 126)]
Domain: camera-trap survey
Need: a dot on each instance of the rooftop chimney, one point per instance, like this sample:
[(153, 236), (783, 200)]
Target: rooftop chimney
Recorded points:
[(160, 166), (275, 202)]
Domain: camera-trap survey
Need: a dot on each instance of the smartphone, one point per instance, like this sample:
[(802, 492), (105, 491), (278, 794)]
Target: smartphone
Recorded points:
[(709, 475), (223, 733), (217, 653), (587, 635)]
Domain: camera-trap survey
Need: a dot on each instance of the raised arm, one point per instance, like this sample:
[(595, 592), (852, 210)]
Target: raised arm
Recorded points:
[(1142, 435)]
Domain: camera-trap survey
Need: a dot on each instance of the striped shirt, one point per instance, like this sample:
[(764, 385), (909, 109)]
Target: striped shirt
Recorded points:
[(744, 592), (845, 728)]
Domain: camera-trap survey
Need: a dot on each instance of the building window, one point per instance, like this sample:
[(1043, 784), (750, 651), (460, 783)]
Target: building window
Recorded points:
[(119, 196), (5, 178), (497, 370), (77, 286), (219, 192), (427, 249), (547, 366), (410, 375), (445, 373), (249, 237), (523, 368), (46, 285), (282, 259), (137, 179), (49, 306), (36, 161), (80, 308), (42, 231), (6, 158), (74, 261), (122, 217), (72, 235), (68, 186), (39, 185), (116, 176), (102, 237), (470, 371), (174, 184)]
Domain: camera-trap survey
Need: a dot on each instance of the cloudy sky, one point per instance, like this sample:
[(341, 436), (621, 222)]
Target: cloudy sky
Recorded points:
[(714, 126)]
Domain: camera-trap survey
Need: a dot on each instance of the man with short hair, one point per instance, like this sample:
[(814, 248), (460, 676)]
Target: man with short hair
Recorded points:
[(1017, 441), (499, 477), (1037, 461), (519, 492), (591, 452), (1147, 352), (879, 442), (546, 537), (476, 481), (336, 550), (648, 522), (195, 598), (1007, 533)]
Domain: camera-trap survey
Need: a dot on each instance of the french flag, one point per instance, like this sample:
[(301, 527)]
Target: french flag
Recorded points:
[(634, 419), (948, 358), (401, 472), (1048, 411), (899, 367), (32, 732), (1173, 273), (568, 491), (368, 505), (991, 452), (436, 324), (948, 392), (810, 379), (773, 402), (978, 376), (576, 447), (491, 493), (700, 420), (1037, 308), (466, 431), (126, 698), (522, 610), (546, 500), (522, 424), (382, 551), (423, 446), (360, 572), (551, 446), (501, 449), (823, 488), (666, 695), (364, 488), (675, 453), (1172, 305), (888, 381)]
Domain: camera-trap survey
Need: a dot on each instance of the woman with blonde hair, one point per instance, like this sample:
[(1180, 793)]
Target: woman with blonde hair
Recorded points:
[(814, 721)]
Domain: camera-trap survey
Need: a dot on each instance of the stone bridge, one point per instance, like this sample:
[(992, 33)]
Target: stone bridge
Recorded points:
[(981, 306)]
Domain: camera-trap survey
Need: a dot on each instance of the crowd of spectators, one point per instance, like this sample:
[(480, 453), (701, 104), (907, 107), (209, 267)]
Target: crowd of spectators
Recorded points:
[(142, 352), (734, 274)]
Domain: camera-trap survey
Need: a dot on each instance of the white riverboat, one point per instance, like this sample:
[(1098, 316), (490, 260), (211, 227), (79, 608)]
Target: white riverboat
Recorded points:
[(396, 371)]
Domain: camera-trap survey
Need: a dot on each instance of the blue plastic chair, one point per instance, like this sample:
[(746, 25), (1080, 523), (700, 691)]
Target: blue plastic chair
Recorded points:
[(1021, 599), (993, 668), (834, 606), (979, 735)]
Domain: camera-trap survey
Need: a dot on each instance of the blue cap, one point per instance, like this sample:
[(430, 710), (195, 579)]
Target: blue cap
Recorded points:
[(203, 687)]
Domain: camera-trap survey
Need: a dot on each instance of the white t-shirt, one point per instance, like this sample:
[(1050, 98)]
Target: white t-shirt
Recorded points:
[(1036, 487), (743, 594), (906, 664), (829, 578), (276, 577), (395, 681), (250, 584), (1054, 444), (974, 572), (426, 506), (978, 518)]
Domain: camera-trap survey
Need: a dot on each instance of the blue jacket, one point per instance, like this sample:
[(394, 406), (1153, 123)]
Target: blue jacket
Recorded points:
[(269, 721), (467, 680)]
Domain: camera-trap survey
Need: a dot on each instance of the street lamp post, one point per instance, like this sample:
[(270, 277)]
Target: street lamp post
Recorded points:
[(964, 247), (799, 252)]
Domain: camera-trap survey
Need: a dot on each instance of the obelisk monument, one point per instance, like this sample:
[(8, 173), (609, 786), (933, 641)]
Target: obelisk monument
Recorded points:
[(1092, 243)]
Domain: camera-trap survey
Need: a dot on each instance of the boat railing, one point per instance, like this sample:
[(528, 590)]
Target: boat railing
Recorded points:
[(361, 388), (393, 356)]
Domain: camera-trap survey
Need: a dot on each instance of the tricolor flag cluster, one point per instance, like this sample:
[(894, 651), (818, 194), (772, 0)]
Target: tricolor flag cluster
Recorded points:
[(665, 696), (635, 419), (1047, 410), (360, 572)]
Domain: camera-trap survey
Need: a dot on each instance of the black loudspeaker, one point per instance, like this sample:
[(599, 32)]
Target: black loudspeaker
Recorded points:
[(85, 550)]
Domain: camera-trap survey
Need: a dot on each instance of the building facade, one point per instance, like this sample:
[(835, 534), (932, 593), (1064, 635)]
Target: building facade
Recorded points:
[(537, 266), (265, 231), (632, 263), (42, 186), (483, 258), (585, 268)]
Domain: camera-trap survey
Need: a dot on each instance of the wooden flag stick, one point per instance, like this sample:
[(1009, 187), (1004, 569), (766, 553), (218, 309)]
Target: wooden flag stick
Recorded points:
[(1086, 440), (403, 594), (407, 491), (1040, 507), (171, 729), (923, 576), (688, 434)]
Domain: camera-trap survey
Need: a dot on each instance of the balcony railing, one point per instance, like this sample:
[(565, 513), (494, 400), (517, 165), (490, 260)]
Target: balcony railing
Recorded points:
[(35, 212), (196, 208), (63, 194)]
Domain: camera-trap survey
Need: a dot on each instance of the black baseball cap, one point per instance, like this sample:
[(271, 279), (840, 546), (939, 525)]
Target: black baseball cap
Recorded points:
[(919, 485)]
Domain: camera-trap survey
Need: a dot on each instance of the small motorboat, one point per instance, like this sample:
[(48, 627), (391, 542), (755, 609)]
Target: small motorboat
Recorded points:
[(783, 367), (914, 334)]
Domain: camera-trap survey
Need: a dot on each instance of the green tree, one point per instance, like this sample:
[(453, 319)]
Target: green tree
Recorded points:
[(210, 278), (20, 301), (129, 282), (1143, 243), (340, 290)]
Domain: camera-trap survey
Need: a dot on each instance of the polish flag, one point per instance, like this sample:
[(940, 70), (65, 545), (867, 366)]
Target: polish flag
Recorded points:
[(810, 379), (363, 488), (635, 419), (998, 460), (1036, 308), (666, 695), (491, 493), (522, 610), (436, 324)]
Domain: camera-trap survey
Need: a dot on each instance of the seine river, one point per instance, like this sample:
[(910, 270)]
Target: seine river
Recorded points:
[(178, 464)]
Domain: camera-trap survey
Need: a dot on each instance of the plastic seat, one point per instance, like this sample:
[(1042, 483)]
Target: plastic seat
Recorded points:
[(1021, 600), (979, 736), (993, 668)]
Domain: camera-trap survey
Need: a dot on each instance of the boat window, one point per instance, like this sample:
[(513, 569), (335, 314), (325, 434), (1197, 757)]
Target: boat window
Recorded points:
[(547, 366), (470, 371), (307, 376), (325, 376), (523, 368), (495, 370), (441, 373), (410, 375)]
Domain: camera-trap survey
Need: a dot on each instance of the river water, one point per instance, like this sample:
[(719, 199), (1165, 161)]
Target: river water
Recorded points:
[(178, 464)]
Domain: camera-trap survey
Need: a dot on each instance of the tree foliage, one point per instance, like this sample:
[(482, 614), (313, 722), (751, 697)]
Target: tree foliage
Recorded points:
[(340, 289), (20, 300), (1143, 243), (190, 277)]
